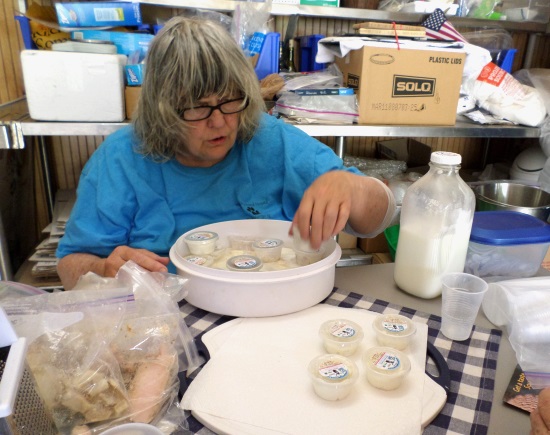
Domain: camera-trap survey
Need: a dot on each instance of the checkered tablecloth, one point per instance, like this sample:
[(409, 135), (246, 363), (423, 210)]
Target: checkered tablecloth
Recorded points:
[(472, 363)]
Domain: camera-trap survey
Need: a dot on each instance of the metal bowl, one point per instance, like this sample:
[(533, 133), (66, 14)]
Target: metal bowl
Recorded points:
[(505, 195)]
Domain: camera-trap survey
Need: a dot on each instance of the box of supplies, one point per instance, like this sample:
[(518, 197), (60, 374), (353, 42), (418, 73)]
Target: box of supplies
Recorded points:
[(98, 14), (406, 84), (73, 86)]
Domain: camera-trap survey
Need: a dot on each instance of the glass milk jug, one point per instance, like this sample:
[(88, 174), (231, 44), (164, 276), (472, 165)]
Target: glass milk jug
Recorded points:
[(435, 224)]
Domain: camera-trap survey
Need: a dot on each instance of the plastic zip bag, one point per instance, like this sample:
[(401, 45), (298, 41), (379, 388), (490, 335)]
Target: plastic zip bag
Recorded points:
[(340, 109), (109, 353), (522, 308)]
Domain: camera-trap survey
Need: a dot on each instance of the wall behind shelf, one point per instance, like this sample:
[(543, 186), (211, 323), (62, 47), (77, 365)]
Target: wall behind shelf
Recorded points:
[(22, 204)]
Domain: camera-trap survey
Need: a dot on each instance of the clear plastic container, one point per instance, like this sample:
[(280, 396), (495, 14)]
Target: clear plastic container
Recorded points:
[(385, 367), (241, 243), (301, 245), (435, 224), (201, 242), (244, 263), (341, 336), (199, 260), (268, 250), (394, 330), (305, 258), (506, 245), (333, 376)]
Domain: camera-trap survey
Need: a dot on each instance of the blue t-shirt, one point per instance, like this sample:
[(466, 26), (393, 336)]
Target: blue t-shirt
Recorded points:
[(126, 198)]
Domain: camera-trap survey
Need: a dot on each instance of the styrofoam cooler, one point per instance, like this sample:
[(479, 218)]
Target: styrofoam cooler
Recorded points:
[(71, 86)]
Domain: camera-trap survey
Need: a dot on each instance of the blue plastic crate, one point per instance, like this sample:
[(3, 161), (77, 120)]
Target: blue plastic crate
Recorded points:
[(268, 60), (308, 51), (25, 32)]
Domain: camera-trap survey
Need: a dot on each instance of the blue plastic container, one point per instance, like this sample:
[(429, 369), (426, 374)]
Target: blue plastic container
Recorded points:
[(506, 244), (308, 51), (507, 59), (268, 60), (25, 32)]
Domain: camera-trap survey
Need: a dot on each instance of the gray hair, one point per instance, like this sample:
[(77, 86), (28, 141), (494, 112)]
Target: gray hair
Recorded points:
[(190, 59)]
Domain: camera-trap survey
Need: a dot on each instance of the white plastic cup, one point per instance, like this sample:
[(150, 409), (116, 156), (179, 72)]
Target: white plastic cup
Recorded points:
[(462, 296)]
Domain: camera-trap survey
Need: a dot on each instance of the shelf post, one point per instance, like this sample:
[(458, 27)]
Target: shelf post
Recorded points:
[(5, 263)]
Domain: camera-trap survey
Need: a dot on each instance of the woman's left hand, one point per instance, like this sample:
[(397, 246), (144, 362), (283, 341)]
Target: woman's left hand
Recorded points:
[(325, 206), (336, 198)]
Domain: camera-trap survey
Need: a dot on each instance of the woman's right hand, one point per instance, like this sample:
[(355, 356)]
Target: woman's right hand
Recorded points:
[(142, 257), (73, 266)]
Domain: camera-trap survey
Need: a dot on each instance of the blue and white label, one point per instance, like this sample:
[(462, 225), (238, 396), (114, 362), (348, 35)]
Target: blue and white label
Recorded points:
[(201, 236), (394, 326), (256, 43), (342, 330), (334, 371), (386, 361)]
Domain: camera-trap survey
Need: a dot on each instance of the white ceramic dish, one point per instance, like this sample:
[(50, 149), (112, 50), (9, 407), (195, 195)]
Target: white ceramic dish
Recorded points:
[(257, 294)]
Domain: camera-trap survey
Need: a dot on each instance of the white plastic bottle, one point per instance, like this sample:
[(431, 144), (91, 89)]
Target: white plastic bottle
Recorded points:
[(436, 220)]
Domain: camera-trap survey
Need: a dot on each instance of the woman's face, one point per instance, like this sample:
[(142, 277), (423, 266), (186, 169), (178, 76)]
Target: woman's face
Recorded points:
[(211, 138)]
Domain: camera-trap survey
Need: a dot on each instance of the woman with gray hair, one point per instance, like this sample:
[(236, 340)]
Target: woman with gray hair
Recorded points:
[(200, 150)]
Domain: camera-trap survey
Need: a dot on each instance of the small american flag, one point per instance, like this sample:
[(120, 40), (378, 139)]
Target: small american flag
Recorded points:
[(438, 27)]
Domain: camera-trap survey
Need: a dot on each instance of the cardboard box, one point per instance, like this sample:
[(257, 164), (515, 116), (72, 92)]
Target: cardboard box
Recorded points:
[(125, 42), (381, 258), (406, 86), (131, 98), (72, 86), (407, 150), (134, 74), (347, 241), (374, 244), (98, 14)]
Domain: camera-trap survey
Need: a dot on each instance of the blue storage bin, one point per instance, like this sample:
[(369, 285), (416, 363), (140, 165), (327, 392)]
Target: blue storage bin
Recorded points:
[(308, 51), (268, 60), (507, 59), (25, 32)]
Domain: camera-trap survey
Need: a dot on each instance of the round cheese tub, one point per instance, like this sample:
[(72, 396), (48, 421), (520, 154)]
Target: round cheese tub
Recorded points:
[(259, 294)]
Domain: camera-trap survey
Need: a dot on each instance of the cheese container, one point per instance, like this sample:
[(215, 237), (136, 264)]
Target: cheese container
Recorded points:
[(244, 263), (268, 250), (393, 330), (300, 244), (385, 367), (341, 336), (201, 242), (333, 376), (304, 258), (199, 260)]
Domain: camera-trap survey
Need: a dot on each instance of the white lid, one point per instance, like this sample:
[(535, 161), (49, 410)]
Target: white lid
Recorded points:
[(446, 158)]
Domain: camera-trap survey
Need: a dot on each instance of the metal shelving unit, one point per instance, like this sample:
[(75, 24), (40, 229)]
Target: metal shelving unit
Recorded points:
[(229, 6), (16, 124)]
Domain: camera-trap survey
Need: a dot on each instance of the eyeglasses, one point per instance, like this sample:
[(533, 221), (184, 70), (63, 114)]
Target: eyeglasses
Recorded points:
[(202, 112)]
